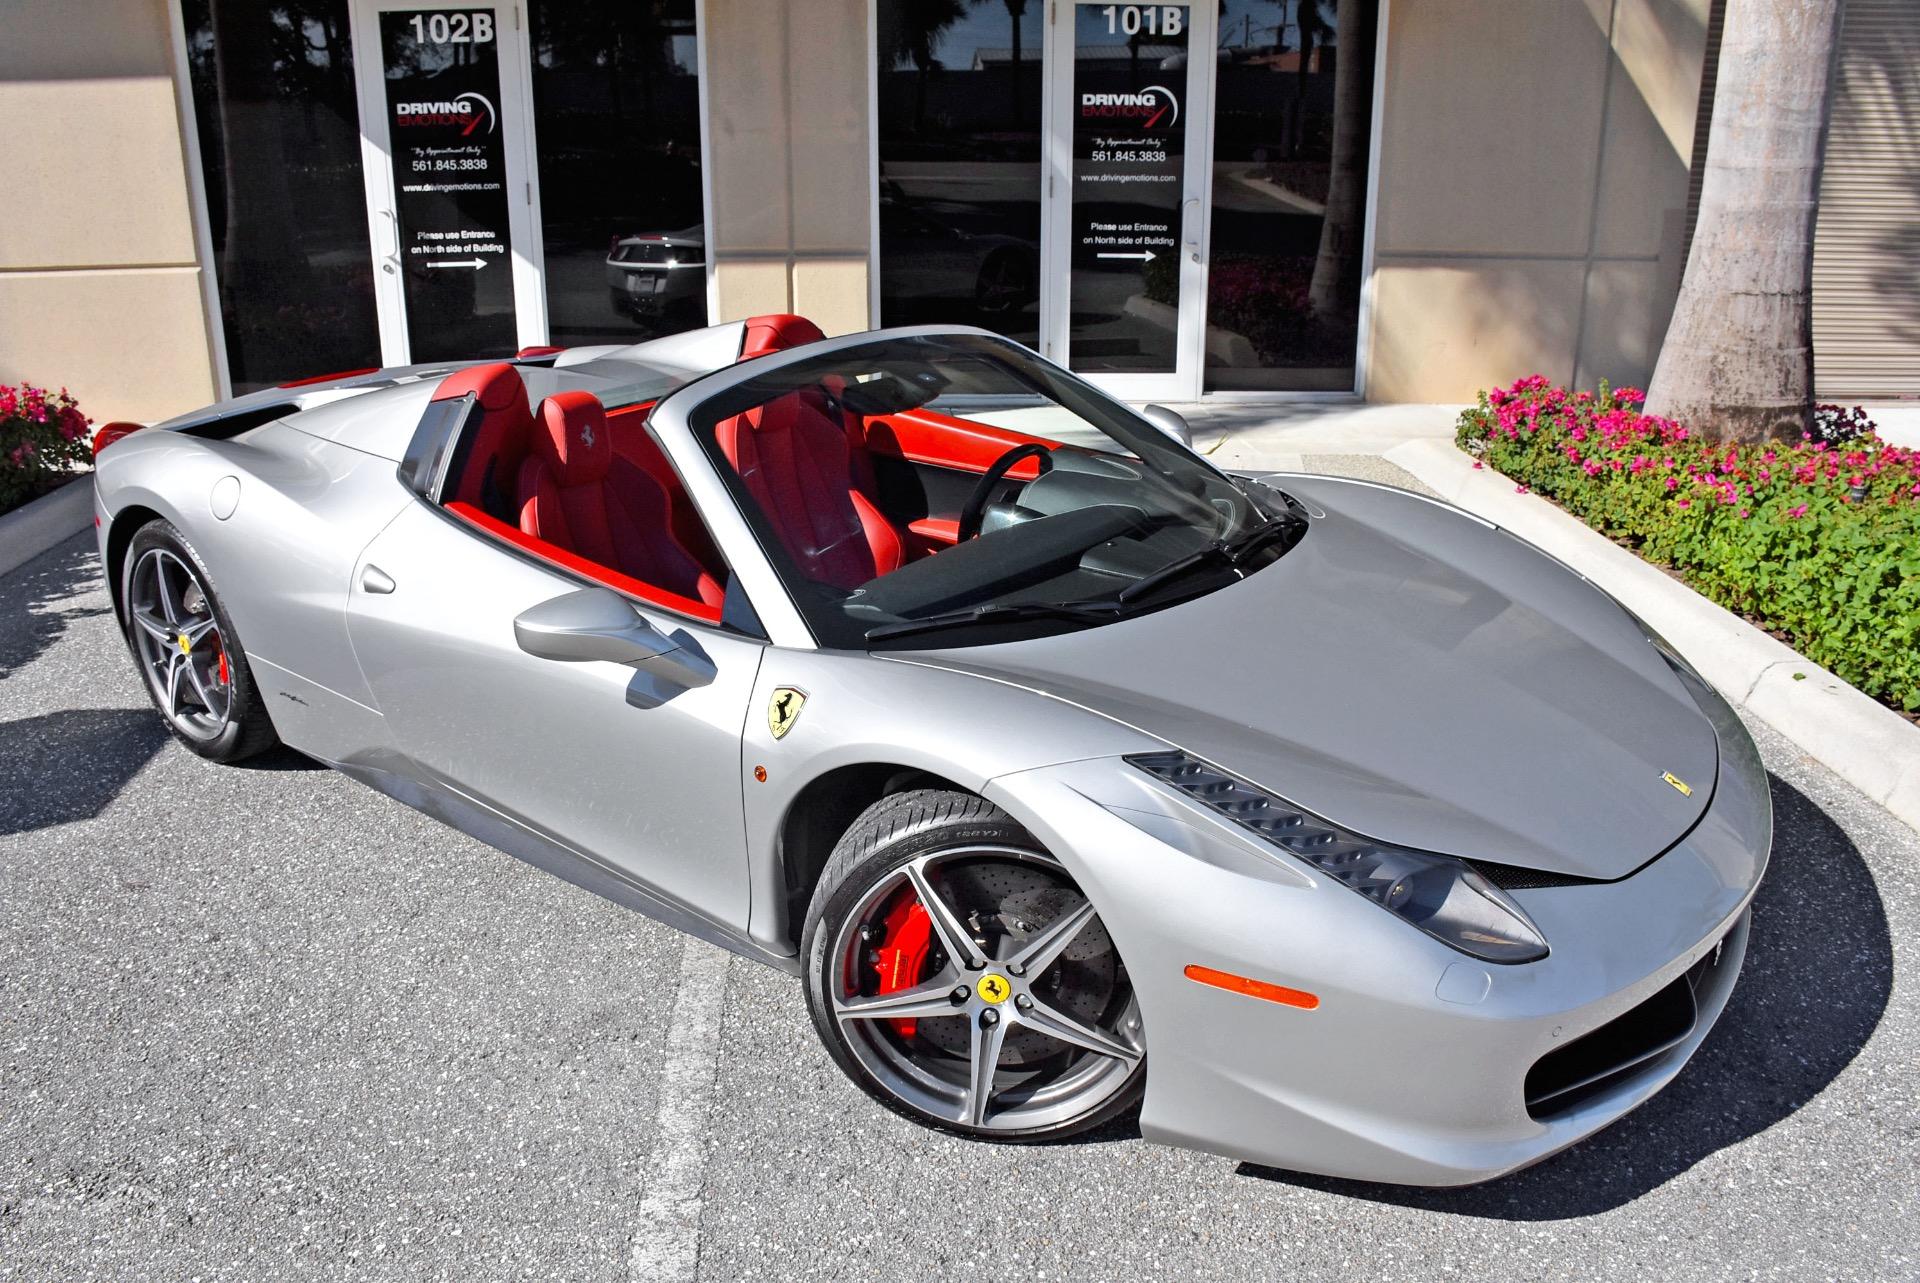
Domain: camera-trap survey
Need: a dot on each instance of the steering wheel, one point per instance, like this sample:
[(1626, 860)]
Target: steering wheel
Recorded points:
[(976, 509)]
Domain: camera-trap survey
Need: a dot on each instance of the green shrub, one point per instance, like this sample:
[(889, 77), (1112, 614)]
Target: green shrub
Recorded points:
[(1817, 541), (43, 439)]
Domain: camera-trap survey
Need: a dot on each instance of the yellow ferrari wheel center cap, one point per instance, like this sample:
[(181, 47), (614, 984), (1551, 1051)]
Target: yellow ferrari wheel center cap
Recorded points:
[(994, 989), (185, 643)]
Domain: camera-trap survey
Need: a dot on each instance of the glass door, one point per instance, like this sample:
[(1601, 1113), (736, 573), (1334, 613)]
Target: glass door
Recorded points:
[(1128, 133), (443, 110)]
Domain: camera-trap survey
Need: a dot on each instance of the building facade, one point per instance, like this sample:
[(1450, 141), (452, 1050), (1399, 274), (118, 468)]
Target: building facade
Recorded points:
[(1401, 199)]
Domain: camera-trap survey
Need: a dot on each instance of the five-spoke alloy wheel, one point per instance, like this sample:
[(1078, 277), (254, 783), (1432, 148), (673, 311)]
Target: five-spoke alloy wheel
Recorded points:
[(960, 976), (186, 649)]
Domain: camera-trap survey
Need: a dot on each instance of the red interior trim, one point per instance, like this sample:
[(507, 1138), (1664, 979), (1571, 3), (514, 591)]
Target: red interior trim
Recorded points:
[(936, 529), (555, 555), (328, 378), (927, 436)]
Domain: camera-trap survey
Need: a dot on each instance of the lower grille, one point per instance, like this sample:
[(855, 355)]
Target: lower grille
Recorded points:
[(1631, 1042)]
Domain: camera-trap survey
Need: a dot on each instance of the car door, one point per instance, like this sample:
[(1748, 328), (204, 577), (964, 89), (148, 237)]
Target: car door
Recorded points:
[(642, 776)]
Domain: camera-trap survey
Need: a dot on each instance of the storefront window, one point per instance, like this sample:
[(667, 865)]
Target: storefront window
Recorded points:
[(616, 100), (959, 145), (1293, 105), (273, 93)]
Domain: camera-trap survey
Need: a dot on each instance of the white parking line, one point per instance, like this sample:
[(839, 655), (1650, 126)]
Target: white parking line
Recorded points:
[(666, 1242)]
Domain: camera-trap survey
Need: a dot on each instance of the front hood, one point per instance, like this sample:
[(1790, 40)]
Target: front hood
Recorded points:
[(1415, 675)]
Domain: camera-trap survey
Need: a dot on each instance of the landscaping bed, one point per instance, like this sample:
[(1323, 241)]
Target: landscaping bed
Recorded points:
[(1816, 541), (44, 443)]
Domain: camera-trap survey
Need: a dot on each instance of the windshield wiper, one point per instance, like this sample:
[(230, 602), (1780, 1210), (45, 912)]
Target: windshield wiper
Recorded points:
[(997, 613), (1229, 554)]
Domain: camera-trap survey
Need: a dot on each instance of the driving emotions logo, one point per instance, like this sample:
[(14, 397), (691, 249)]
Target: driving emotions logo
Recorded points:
[(1154, 107), (468, 113)]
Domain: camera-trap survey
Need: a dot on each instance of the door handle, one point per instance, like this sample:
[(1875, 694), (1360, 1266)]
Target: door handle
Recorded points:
[(375, 580), (393, 258), (1190, 226)]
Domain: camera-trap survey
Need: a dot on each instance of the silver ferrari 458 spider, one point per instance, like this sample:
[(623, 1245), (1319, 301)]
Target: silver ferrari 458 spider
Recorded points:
[(1337, 828)]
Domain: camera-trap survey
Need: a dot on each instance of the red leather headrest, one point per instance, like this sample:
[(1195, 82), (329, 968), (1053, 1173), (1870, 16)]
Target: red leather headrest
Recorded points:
[(776, 333), (571, 437), (495, 386)]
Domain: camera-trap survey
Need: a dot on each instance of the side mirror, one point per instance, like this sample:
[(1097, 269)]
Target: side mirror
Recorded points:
[(1168, 422), (599, 624)]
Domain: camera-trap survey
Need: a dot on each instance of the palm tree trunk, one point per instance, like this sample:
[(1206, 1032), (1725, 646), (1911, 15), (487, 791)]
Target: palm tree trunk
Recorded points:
[(1737, 363), (1335, 291)]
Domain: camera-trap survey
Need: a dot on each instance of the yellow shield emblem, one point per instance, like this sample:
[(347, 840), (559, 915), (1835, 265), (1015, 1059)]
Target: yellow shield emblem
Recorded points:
[(1685, 789), (783, 710)]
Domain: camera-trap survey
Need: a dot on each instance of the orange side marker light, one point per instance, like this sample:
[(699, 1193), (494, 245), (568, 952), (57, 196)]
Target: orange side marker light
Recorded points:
[(1254, 988)]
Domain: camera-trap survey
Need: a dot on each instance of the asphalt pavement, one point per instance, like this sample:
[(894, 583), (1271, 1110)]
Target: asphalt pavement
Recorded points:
[(262, 1023)]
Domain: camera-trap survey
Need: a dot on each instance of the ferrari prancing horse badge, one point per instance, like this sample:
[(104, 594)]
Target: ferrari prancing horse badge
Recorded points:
[(784, 709)]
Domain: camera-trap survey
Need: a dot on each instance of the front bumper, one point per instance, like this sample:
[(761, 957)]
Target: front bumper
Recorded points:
[(1414, 1068)]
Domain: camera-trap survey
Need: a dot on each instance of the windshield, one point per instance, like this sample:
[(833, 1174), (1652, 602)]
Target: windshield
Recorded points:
[(954, 489)]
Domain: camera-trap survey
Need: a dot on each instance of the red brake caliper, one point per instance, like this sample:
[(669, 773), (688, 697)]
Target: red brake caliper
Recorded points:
[(906, 936), (225, 675)]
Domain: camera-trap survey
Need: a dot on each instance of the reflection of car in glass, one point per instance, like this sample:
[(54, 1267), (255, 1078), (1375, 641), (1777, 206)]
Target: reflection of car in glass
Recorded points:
[(649, 276), (930, 260), (1037, 746)]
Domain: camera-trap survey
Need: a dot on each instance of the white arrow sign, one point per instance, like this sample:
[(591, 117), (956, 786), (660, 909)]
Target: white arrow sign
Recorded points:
[(475, 263), (1145, 256)]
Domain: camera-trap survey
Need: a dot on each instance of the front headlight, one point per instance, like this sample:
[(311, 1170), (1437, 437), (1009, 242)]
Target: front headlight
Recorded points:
[(1442, 896)]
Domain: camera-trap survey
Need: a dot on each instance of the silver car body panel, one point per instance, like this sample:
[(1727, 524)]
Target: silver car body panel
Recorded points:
[(1411, 1069), (1406, 670), (1381, 668)]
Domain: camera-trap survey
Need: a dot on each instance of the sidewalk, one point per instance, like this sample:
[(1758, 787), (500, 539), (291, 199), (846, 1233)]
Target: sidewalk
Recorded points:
[(1344, 437)]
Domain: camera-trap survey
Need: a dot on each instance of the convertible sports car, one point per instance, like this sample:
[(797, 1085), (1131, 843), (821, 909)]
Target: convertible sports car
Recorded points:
[(1339, 828)]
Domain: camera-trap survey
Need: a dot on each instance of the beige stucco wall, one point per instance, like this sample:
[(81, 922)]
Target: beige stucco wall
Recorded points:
[(786, 90), (1533, 189), (99, 279)]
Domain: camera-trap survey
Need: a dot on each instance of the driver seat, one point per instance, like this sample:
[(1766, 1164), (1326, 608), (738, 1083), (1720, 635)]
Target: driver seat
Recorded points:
[(579, 495)]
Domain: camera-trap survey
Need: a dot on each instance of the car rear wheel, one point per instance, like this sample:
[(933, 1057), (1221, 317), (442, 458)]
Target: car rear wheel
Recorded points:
[(187, 649), (957, 973)]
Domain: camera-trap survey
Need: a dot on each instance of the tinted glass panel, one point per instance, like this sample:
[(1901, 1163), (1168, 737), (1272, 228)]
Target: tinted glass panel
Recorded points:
[(273, 94), (1292, 113), (960, 162), (616, 95), (442, 71), (1129, 123)]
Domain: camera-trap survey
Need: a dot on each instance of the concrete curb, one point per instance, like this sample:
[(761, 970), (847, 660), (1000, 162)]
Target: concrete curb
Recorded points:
[(28, 531), (1858, 738)]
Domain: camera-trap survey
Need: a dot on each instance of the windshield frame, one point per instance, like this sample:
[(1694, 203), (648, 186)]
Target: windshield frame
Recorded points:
[(690, 414)]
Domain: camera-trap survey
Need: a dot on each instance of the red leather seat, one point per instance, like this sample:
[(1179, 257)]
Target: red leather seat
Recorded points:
[(808, 473), (777, 332), (577, 494), (499, 441), (815, 484)]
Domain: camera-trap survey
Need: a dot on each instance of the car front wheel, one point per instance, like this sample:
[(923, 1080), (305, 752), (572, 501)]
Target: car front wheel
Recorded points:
[(957, 973)]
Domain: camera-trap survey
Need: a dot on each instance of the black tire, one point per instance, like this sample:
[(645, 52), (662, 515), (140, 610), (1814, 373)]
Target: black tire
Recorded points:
[(245, 729), (888, 836)]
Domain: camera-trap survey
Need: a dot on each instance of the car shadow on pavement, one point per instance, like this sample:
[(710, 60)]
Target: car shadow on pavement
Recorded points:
[(31, 591), (70, 765), (278, 759), (1818, 974)]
